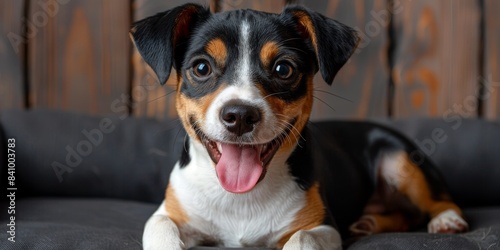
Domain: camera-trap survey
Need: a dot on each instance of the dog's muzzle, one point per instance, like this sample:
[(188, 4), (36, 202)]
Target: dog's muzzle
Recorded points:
[(240, 160)]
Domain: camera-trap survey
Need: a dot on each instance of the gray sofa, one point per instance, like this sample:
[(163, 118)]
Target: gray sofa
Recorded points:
[(77, 189)]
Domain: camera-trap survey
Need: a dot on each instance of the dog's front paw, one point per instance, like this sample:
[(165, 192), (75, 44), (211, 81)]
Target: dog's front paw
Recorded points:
[(447, 222), (164, 244), (170, 243), (319, 238), (162, 233)]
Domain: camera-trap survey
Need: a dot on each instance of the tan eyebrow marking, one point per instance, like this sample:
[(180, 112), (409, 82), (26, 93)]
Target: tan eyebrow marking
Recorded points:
[(216, 48), (268, 51)]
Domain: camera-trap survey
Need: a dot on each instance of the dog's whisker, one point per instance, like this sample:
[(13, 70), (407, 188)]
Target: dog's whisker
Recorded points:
[(286, 126), (176, 137), (167, 94), (291, 126), (332, 94), (168, 126), (277, 93), (319, 99)]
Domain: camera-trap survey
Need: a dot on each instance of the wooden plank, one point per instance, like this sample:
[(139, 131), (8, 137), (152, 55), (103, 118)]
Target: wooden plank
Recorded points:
[(274, 6), (364, 79), (491, 77), (436, 58), (148, 96), (12, 42), (79, 56)]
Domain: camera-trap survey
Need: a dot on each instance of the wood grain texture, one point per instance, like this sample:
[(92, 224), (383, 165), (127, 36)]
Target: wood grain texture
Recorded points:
[(492, 60), (149, 98), (79, 55), (436, 58), (364, 79), (12, 42), (274, 6)]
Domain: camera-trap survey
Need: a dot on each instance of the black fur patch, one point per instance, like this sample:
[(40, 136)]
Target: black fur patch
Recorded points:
[(301, 162), (162, 39), (185, 157)]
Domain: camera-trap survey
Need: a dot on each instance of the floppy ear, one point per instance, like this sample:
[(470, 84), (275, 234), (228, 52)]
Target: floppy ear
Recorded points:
[(162, 39), (333, 41)]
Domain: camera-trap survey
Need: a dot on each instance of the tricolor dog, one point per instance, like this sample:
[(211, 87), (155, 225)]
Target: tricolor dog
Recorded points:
[(252, 172)]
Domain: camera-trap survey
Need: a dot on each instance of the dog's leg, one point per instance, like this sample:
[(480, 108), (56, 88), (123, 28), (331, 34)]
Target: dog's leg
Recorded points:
[(378, 223), (402, 188), (161, 233), (318, 238), (446, 216)]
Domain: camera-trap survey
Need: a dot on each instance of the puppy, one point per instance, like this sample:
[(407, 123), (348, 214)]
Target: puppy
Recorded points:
[(252, 174)]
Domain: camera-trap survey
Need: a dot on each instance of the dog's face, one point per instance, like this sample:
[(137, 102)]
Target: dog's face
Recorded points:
[(244, 79)]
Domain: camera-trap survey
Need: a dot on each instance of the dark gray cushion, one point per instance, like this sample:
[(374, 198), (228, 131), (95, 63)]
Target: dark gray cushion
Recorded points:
[(483, 238), (49, 223), (55, 223), (132, 161)]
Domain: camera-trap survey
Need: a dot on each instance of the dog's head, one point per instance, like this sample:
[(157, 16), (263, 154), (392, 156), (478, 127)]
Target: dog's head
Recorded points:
[(245, 78)]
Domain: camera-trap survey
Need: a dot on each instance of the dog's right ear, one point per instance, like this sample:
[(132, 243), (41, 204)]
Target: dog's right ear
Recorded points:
[(333, 41), (162, 39)]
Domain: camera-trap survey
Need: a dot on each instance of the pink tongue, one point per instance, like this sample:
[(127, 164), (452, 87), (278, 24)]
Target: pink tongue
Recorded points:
[(239, 167)]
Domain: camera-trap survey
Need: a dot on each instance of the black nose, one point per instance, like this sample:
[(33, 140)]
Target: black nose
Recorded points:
[(239, 118)]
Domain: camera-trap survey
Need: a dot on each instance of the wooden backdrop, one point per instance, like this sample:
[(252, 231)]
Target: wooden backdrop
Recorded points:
[(416, 58)]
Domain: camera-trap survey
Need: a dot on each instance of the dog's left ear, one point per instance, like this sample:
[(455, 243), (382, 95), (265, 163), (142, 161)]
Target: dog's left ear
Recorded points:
[(333, 41), (162, 39)]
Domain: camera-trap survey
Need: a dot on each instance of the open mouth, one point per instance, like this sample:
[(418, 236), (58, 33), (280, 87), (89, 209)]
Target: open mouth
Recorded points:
[(240, 167), (261, 152)]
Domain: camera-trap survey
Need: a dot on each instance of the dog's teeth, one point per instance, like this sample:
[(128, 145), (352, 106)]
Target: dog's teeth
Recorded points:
[(219, 147)]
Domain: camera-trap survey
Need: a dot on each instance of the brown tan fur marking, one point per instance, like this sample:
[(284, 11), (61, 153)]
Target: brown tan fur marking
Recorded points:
[(310, 216), (174, 209), (267, 53), (415, 187), (300, 108), (217, 50), (408, 179), (196, 107)]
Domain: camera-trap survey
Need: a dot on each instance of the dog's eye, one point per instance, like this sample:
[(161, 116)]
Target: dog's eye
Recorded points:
[(283, 70), (202, 69)]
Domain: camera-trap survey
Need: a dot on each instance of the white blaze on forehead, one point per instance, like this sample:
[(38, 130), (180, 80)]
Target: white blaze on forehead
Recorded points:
[(243, 68)]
